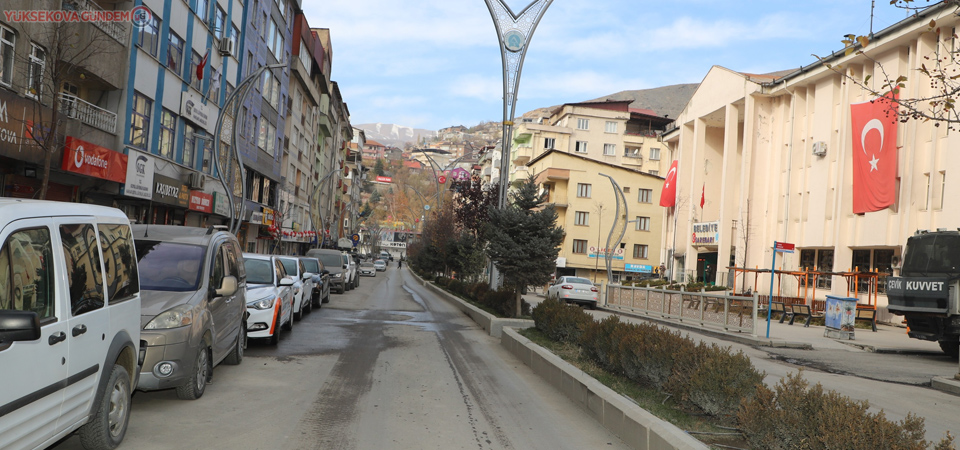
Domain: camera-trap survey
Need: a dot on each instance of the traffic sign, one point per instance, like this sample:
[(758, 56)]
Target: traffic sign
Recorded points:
[(784, 247)]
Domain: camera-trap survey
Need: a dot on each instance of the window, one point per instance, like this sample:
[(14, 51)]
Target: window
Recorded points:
[(148, 36), (266, 138), (276, 40), (189, 145), (140, 120), (263, 27), (820, 261), (549, 143), (271, 32), (305, 56), (213, 90), (643, 223), (583, 124), (8, 44), (203, 9), (583, 190), (26, 273), (83, 267), (639, 251), (219, 23), (168, 133), (195, 60), (38, 61), (119, 262), (582, 218), (244, 121), (610, 127), (235, 34), (943, 186), (645, 195), (654, 172), (175, 53), (581, 147), (250, 65), (580, 246), (926, 203), (655, 154), (609, 149)]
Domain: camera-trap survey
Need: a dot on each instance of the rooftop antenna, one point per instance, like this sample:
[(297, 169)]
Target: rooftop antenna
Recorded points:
[(872, 4)]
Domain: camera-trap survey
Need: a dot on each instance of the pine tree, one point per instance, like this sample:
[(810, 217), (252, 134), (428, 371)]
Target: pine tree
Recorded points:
[(524, 239)]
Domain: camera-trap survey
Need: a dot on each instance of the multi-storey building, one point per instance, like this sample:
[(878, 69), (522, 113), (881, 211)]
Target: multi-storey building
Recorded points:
[(772, 158), (353, 181), (64, 74), (325, 164), (586, 207), (183, 64)]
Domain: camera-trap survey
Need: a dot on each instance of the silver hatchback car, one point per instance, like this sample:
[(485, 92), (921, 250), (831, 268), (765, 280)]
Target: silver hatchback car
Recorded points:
[(193, 311)]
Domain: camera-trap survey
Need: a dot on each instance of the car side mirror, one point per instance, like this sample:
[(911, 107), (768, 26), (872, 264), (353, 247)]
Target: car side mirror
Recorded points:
[(286, 281), (19, 326), (227, 287), (307, 275)]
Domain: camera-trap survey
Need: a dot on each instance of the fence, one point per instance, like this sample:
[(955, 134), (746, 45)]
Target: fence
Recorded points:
[(719, 311)]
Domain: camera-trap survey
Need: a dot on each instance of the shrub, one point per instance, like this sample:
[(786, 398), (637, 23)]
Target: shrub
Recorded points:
[(600, 342), (795, 415), (647, 354), (503, 302), (559, 321)]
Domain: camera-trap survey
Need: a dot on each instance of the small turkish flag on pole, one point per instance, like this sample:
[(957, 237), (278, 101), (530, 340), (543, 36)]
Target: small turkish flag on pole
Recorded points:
[(874, 126), (668, 195), (202, 65), (703, 195)]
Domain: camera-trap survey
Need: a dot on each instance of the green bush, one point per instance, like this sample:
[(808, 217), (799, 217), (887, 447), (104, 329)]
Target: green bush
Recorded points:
[(559, 321), (795, 415), (647, 354), (600, 342), (718, 381)]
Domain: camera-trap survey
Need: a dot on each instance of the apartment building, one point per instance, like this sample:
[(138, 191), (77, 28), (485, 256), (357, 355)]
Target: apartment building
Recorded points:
[(772, 156)]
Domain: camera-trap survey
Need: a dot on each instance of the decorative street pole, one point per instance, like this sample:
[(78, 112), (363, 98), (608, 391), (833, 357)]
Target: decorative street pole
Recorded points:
[(514, 32)]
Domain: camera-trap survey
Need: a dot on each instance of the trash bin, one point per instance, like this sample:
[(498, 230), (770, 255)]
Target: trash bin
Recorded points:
[(839, 317)]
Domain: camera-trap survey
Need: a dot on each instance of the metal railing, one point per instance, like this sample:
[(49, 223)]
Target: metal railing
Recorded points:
[(88, 113), (116, 30), (717, 311)]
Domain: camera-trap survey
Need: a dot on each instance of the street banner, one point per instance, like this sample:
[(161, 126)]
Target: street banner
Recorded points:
[(874, 154), (139, 182), (668, 195)]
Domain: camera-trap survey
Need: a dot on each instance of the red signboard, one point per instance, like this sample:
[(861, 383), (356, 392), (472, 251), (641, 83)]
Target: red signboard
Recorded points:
[(784, 247), (93, 160), (383, 179), (201, 202)]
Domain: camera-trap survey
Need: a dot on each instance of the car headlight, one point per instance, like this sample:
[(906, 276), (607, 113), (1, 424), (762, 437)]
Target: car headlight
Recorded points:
[(176, 317), (263, 303), (338, 275)]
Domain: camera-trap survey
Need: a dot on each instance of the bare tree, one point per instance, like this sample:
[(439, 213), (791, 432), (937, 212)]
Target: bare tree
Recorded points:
[(60, 52)]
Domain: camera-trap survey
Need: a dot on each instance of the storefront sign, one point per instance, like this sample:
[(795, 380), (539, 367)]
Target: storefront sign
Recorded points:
[(139, 182), (383, 179), (256, 217), (193, 109), (602, 253), (201, 202), (269, 216), (706, 233), (93, 160), (221, 204), (640, 268), (170, 191)]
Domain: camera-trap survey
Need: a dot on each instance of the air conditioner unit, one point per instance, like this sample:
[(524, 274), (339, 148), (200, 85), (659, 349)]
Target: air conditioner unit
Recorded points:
[(820, 148), (227, 46), (196, 180)]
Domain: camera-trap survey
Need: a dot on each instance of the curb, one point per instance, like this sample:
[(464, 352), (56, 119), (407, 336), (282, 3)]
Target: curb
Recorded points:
[(493, 324), (632, 424)]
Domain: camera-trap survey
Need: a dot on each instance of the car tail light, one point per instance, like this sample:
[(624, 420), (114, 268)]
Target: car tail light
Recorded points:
[(566, 286), (593, 289)]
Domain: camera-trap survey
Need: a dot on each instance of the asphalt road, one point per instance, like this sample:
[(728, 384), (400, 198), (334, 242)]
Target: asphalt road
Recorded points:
[(385, 366)]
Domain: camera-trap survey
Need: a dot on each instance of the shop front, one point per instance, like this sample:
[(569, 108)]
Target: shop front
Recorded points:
[(706, 236), (171, 198)]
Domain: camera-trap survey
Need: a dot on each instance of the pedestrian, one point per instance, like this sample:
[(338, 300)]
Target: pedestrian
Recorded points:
[(400, 263), (663, 270)]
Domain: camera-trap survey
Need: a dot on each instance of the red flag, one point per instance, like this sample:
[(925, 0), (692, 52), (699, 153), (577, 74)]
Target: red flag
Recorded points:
[(703, 195), (668, 195), (202, 65), (874, 154)]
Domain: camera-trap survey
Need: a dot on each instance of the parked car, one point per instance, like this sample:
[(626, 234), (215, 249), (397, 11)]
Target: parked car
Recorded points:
[(269, 297), (69, 323), (352, 277), (332, 261), (368, 269), (321, 280), (576, 290), (380, 265), (194, 291), (302, 286)]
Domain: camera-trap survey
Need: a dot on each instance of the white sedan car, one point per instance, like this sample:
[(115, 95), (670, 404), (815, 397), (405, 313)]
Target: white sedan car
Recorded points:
[(269, 297), (576, 290), (380, 265)]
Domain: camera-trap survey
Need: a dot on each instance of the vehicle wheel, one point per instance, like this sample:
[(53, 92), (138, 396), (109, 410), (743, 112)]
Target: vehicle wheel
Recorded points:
[(289, 325), (951, 348), (326, 299), (316, 301), (297, 315), (197, 383), (275, 339), (109, 424), (236, 356), (308, 306)]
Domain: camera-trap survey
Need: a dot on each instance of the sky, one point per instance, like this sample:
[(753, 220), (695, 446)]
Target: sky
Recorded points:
[(436, 63)]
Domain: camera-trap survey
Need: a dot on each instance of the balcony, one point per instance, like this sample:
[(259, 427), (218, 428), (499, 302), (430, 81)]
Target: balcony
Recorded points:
[(116, 30), (88, 113), (522, 155)]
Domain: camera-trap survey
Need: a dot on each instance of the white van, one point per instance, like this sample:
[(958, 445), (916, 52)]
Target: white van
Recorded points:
[(69, 323)]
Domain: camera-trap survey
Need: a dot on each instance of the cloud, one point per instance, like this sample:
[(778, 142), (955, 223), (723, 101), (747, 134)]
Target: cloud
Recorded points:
[(478, 87)]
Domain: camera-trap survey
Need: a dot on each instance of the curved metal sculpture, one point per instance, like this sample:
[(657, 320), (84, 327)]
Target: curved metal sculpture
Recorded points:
[(619, 226)]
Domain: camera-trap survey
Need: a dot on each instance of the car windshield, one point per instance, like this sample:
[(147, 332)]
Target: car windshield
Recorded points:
[(259, 271), (330, 259), (578, 281), (310, 265), (932, 253), (366, 264), (290, 265), (166, 266)]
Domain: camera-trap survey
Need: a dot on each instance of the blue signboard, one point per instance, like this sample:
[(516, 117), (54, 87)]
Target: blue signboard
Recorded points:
[(641, 268)]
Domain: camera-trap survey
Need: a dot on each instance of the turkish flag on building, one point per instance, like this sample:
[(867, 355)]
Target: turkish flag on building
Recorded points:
[(874, 154), (668, 195), (703, 195), (202, 65)]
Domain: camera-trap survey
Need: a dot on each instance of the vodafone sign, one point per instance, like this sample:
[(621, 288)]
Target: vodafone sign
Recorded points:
[(93, 160)]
